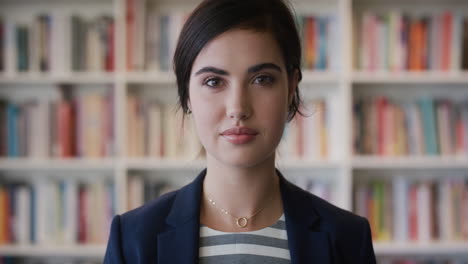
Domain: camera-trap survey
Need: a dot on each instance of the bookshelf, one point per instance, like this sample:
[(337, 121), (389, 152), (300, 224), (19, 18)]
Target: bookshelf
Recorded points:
[(339, 86)]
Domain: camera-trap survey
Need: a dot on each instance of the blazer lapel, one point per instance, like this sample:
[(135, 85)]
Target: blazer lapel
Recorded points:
[(308, 243), (179, 244)]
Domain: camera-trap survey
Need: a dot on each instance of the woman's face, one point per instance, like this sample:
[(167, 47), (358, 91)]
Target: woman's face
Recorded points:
[(239, 95)]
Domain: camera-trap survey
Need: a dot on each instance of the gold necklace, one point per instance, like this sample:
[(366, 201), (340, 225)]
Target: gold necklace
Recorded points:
[(240, 221)]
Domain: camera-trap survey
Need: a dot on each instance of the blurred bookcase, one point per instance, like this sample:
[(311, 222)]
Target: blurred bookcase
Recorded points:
[(88, 112)]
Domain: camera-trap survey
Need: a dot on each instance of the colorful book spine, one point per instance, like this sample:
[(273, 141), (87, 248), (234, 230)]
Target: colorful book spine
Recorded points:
[(47, 212), (22, 47), (78, 126), (396, 41), (404, 209), (429, 124), (426, 126)]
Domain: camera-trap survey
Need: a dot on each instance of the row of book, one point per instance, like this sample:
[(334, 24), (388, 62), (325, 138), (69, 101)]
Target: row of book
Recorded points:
[(53, 43), (319, 37), (306, 137), (78, 125), (398, 41), (421, 260), (401, 209), (158, 130), (53, 211), (427, 126)]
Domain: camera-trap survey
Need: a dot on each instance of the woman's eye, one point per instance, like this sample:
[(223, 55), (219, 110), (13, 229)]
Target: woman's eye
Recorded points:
[(264, 80), (213, 82)]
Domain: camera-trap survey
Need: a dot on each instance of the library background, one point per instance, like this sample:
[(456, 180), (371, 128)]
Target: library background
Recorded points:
[(88, 126)]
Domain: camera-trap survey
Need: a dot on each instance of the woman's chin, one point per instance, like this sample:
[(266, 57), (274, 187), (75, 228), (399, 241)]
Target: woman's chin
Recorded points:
[(244, 160)]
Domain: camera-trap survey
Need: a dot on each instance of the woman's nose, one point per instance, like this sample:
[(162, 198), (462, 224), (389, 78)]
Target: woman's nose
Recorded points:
[(238, 106), (238, 115)]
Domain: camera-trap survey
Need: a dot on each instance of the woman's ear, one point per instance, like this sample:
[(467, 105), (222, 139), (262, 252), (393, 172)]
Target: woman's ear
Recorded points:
[(293, 82)]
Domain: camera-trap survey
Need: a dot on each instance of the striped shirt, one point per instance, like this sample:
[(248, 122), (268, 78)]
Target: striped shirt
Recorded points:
[(267, 245)]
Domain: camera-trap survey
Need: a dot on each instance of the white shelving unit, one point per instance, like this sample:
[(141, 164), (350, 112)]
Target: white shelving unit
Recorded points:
[(410, 78), (57, 164), (337, 87), (92, 251), (427, 249), (410, 162)]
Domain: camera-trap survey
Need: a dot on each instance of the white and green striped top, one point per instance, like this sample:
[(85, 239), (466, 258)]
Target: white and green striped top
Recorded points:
[(268, 245)]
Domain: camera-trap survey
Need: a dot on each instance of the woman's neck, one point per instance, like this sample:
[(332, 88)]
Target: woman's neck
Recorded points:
[(242, 192)]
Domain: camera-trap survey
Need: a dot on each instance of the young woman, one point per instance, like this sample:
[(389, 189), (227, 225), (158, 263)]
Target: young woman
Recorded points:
[(237, 65)]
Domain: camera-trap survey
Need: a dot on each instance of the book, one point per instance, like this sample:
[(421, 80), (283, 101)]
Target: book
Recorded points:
[(400, 209), (23, 217), (22, 47), (136, 194), (4, 216)]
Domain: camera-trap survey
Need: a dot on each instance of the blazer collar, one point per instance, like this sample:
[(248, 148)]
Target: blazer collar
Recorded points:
[(307, 242)]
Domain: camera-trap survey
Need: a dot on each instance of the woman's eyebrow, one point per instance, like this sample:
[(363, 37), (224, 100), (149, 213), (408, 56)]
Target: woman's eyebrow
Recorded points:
[(213, 70), (263, 66), (251, 69)]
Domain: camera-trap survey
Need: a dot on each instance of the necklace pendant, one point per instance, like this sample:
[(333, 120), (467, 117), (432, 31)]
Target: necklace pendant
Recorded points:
[(242, 222)]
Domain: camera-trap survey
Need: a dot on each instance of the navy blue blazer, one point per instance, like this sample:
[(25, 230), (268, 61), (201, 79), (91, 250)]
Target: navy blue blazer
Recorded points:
[(166, 230)]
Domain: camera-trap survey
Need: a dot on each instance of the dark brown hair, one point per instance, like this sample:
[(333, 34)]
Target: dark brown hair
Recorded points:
[(213, 17)]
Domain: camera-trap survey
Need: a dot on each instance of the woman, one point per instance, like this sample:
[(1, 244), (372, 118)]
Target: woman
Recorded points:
[(237, 65)]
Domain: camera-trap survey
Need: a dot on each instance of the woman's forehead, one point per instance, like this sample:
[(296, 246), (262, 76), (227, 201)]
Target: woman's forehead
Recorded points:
[(239, 48)]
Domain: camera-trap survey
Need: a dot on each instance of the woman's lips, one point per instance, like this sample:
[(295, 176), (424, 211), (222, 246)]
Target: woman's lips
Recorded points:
[(239, 139), (239, 135)]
